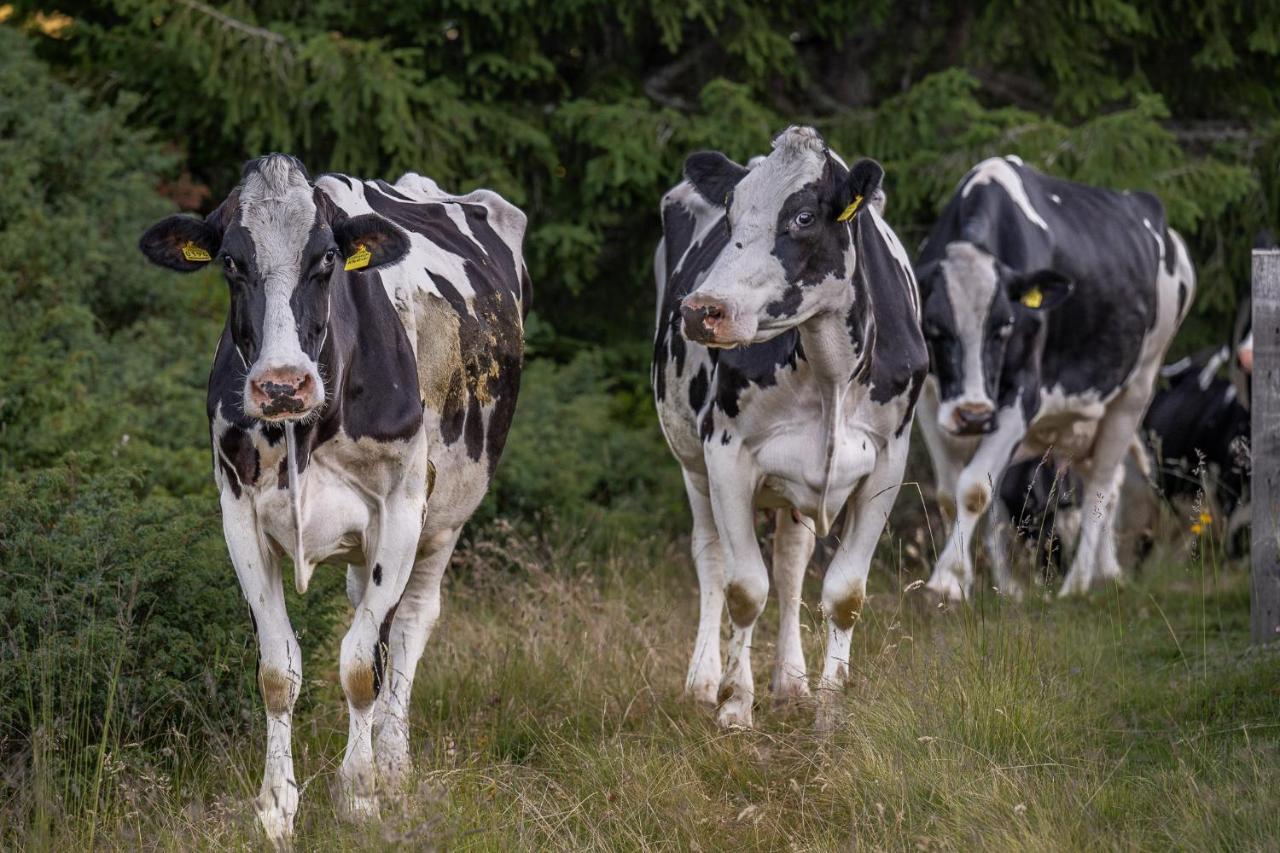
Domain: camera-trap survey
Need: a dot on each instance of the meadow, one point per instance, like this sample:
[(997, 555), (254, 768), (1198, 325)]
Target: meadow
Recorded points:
[(548, 711), (548, 715)]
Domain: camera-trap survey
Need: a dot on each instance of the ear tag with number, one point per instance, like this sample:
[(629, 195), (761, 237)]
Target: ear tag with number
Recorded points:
[(359, 259), (850, 210), (1033, 298), (194, 253)]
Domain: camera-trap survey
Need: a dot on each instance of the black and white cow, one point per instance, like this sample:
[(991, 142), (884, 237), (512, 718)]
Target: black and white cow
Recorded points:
[(1198, 432), (359, 399), (1048, 307), (787, 361)]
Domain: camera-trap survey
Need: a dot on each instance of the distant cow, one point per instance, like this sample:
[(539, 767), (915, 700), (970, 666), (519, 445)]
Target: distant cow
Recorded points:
[(1048, 307), (1198, 432), (359, 399), (787, 361)]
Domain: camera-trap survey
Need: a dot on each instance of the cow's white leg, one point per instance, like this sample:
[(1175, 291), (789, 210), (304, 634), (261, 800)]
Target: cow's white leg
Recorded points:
[(746, 587), (845, 586), (703, 679), (1001, 537), (1096, 548), (279, 662), (363, 658), (953, 575), (793, 543), (946, 457), (410, 629)]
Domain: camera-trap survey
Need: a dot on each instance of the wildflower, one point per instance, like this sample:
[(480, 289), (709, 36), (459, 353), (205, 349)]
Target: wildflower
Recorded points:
[(1197, 528), (1205, 518)]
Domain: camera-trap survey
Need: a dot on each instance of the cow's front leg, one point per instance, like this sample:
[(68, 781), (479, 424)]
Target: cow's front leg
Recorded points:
[(1002, 535), (793, 543), (1096, 548), (364, 656), (845, 586), (279, 662), (414, 618), (703, 678), (746, 589), (953, 575)]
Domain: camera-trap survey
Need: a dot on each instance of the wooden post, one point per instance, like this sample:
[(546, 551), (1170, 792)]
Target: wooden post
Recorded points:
[(1265, 447)]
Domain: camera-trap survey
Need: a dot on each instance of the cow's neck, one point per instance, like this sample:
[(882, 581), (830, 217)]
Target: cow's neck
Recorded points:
[(835, 362)]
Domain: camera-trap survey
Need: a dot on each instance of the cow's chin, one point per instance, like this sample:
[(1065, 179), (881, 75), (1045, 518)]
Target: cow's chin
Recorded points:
[(281, 414)]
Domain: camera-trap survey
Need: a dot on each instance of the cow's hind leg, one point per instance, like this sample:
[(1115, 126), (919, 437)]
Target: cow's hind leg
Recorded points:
[(279, 664), (410, 629), (364, 651), (703, 678), (793, 543)]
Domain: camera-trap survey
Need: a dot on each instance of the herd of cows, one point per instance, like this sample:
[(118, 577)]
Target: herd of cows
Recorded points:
[(366, 379)]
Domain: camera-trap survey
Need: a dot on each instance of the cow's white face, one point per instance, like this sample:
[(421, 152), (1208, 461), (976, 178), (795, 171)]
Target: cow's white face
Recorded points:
[(281, 244), (787, 257), (982, 322), (279, 259)]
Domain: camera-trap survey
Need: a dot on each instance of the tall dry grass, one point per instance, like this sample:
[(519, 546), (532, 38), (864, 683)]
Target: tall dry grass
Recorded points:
[(548, 716)]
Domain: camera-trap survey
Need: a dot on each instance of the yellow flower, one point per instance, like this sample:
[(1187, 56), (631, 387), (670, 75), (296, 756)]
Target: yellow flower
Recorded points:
[(1205, 518), (1197, 528)]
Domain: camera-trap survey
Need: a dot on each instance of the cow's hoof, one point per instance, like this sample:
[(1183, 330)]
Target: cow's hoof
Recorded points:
[(1076, 583), (1011, 590), (946, 587), (735, 709), (277, 824), (829, 717), (788, 686), (358, 808)]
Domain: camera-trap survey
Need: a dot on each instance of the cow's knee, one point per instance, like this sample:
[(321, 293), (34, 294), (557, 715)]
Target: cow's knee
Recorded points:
[(976, 497), (279, 688), (745, 600), (842, 602)]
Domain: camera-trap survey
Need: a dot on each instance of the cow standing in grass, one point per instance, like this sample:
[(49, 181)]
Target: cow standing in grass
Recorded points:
[(1048, 307), (787, 360), (359, 399)]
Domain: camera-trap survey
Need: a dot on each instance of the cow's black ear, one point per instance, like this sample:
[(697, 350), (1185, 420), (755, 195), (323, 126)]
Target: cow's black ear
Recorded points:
[(181, 243), (862, 186), (713, 175), (368, 241), (1041, 290)]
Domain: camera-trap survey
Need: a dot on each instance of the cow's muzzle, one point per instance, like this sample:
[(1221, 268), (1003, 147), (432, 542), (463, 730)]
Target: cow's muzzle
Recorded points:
[(706, 319), (282, 393), (973, 418)]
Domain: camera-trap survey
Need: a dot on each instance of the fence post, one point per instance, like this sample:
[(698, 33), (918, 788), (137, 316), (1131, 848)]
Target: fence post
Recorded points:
[(1265, 448)]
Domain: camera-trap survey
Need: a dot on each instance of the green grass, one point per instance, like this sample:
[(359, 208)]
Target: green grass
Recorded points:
[(549, 715)]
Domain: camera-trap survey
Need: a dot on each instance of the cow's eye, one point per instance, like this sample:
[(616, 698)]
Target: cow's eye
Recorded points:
[(804, 219), (330, 258), (229, 265), (1004, 330)]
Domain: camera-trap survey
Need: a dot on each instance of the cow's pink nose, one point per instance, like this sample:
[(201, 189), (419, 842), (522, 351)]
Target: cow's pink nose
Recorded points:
[(703, 317), (282, 390)]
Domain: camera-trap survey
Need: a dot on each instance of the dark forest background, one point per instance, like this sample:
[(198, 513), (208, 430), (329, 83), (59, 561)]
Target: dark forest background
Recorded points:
[(113, 114)]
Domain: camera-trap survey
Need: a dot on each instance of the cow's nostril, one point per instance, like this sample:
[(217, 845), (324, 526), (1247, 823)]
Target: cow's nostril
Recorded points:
[(713, 312)]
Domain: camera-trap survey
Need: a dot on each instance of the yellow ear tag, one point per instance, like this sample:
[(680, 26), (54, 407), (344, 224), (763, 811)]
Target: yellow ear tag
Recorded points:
[(850, 210), (1033, 298), (359, 259), (192, 252)]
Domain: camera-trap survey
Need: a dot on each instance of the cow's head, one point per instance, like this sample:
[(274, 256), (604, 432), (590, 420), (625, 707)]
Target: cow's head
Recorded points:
[(281, 244), (789, 254), (982, 322)]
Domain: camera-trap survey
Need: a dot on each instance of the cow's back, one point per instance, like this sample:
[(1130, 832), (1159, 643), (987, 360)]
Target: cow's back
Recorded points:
[(461, 293)]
